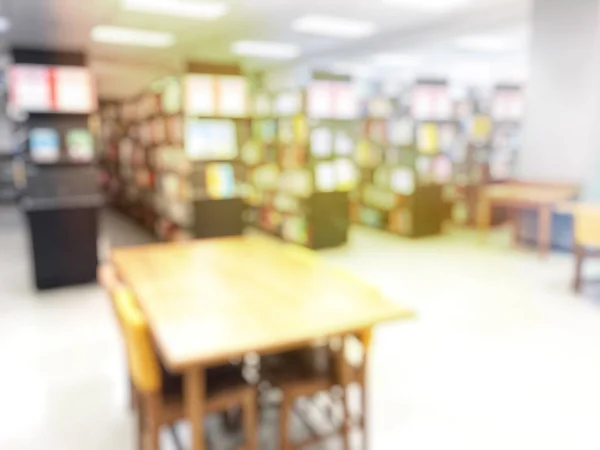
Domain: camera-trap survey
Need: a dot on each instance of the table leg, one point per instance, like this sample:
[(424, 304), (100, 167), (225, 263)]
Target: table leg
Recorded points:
[(579, 253), (194, 398), (514, 216), (544, 230), (484, 217), (365, 402), (346, 428)]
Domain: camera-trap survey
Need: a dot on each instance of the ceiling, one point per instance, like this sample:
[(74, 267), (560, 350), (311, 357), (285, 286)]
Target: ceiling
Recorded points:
[(123, 71)]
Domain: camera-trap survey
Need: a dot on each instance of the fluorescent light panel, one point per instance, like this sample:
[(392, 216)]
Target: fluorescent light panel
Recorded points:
[(130, 36), (265, 49), (487, 43), (430, 6), (208, 10), (333, 26)]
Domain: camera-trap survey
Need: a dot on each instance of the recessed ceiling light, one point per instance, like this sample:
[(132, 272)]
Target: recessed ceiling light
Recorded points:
[(432, 6), (4, 24), (487, 43), (333, 26), (265, 49), (131, 36), (209, 10), (396, 60)]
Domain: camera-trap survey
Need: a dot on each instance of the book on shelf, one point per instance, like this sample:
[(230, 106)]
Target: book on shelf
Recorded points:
[(325, 177), (288, 104), (220, 181), (295, 229), (402, 181), (171, 97), (80, 145), (346, 174), (262, 105), (321, 142), (200, 98), (233, 98), (401, 132), (44, 145), (266, 176), (343, 143), (428, 138), (442, 170), (211, 139)]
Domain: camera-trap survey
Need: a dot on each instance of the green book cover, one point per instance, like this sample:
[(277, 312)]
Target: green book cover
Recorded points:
[(80, 145)]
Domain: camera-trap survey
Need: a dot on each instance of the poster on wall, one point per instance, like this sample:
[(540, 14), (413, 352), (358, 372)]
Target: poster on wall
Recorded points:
[(44, 145), (210, 139), (431, 101), (200, 96), (233, 98), (37, 88), (30, 88), (74, 90), (320, 100), (80, 145)]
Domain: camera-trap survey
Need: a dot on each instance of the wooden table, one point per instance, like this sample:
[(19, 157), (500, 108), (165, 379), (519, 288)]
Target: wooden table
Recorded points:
[(211, 301), (524, 196)]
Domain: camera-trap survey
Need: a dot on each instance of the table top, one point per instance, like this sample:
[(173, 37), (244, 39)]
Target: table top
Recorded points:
[(529, 195), (210, 301)]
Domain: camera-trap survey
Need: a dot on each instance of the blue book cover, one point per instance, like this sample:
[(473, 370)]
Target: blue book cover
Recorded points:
[(44, 145)]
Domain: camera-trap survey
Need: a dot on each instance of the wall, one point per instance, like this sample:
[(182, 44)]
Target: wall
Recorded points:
[(562, 119)]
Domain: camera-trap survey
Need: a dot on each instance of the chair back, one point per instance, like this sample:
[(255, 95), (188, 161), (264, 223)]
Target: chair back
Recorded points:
[(587, 225), (144, 366), (108, 279)]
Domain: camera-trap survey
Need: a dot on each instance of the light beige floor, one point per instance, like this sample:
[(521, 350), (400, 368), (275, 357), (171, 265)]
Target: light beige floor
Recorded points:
[(501, 356)]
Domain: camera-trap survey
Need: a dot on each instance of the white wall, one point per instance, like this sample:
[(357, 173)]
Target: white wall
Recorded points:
[(562, 119)]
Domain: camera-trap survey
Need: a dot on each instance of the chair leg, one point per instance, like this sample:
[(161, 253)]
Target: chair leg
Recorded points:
[(579, 254), (364, 416), (141, 427), (346, 427), (250, 418), (151, 423), (133, 400), (284, 416)]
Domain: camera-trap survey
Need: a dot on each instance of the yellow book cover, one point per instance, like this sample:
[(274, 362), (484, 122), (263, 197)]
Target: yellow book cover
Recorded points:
[(428, 138), (482, 127), (300, 129), (213, 180)]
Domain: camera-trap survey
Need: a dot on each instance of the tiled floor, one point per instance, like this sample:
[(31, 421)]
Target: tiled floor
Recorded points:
[(501, 356)]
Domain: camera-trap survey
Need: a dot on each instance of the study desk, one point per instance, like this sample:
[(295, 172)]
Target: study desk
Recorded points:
[(211, 301), (517, 196)]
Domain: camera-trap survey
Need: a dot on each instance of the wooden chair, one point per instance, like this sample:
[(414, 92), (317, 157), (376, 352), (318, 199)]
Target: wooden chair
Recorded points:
[(159, 393), (586, 227), (110, 282), (307, 372)]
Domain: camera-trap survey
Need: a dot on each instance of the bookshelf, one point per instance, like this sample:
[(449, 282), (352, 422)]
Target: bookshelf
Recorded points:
[(178, 155), (404, 160), (57, 173), (299, 166), (490, 142)]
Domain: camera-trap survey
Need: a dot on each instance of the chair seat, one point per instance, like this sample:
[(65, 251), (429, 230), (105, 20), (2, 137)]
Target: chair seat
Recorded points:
[(218, 379)]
